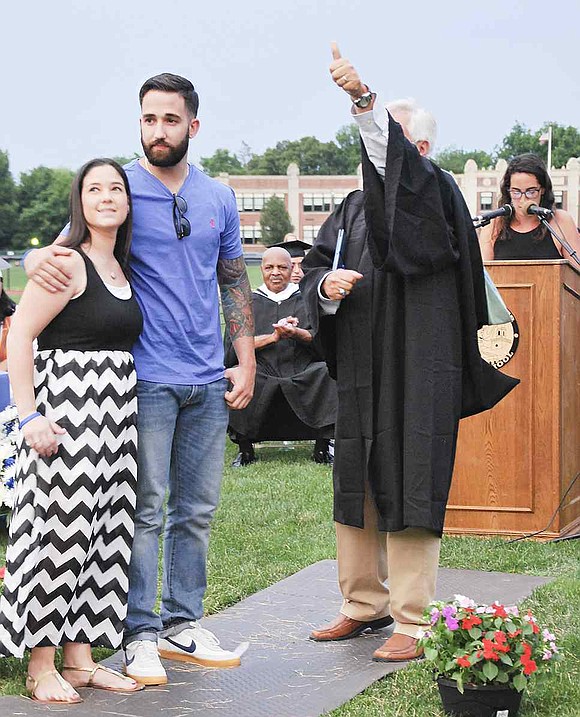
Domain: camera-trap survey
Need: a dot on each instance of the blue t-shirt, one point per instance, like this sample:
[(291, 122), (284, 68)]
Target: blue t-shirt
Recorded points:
[(175, 280)]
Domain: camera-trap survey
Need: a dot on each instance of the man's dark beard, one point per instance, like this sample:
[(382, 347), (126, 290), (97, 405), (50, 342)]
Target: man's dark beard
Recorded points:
[(171, 158)]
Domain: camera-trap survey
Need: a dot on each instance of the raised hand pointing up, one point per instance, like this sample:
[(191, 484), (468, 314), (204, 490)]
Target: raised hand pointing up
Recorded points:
[(345, 74)]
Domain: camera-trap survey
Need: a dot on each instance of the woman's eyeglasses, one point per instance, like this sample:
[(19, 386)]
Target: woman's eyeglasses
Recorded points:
[(180, 221), (530, 193)]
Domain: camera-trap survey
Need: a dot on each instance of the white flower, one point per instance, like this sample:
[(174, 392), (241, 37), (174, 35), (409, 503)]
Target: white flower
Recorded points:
[(463, 601)]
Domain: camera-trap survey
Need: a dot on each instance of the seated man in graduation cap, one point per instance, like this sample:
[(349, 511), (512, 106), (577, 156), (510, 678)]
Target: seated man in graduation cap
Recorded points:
[(297, 250), (294, 397)]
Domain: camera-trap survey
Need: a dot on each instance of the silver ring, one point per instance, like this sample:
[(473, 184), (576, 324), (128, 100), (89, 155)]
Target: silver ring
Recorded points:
[(342, 292), (344, 78)]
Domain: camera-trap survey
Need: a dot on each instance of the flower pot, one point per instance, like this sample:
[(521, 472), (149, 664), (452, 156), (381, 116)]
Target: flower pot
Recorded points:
[(478, 700)]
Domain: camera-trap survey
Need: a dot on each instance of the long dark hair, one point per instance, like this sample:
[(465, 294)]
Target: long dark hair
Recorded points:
[(7, 306), (525, 164), (79, 231)]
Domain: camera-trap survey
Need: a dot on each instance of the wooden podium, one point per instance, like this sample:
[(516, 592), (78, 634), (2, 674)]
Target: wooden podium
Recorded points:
[(515, 462)]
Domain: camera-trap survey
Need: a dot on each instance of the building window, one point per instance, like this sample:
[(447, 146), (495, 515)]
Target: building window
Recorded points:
[(321, 202), (253, 202), (558, 199), (251, 234), (310, 233), (485, 201)]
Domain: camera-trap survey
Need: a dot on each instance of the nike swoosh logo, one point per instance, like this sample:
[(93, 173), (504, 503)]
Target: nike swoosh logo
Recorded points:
[(129, 661), (191, 649)]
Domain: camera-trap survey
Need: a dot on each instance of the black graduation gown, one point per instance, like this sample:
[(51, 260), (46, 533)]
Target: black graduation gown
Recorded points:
[(293, 368), (403, 345)]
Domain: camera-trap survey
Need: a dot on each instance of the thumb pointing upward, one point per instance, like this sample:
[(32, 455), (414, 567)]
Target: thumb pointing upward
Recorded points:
[(335, 51)]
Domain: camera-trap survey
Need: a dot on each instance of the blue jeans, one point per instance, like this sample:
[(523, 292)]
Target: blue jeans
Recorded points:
[(182, 433)]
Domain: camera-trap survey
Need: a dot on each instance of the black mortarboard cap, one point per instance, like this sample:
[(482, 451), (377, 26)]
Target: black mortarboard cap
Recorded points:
[(294, 247)]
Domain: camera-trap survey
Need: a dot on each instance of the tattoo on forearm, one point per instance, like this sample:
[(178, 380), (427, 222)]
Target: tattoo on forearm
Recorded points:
[(236, 296)]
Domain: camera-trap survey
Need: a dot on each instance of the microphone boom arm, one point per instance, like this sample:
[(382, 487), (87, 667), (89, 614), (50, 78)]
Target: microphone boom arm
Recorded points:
[(563, 242)]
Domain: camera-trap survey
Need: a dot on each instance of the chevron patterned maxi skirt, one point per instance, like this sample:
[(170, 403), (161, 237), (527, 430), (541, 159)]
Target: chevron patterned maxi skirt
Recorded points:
[(72, 524)]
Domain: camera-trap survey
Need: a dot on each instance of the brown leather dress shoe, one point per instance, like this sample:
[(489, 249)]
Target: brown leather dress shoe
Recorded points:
[(398, 648), (343, 628)]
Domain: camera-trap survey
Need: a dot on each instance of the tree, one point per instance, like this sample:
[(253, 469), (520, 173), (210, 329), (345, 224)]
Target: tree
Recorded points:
[(274, 221), (453, 159), (8, 204), (348, 142), (123, 160), (310, 154), (565, 143), (519, 140), (43, 197), (222, 161)]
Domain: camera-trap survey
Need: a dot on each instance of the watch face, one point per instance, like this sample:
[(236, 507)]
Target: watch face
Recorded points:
[(364, 101)]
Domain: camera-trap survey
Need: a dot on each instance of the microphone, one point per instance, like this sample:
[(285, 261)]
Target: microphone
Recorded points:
[(540, 212), (505, 211)]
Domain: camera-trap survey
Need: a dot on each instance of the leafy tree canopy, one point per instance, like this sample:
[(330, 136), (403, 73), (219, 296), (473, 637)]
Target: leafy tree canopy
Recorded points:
[(222, 160), (43, 196), (565, 143), (453, 159), (310, 154), (8, 204)]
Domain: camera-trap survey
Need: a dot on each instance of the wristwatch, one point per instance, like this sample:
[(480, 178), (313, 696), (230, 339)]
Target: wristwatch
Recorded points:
[(364, 100)]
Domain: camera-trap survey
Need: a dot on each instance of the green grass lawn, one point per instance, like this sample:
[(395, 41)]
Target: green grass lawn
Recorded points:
[(275, 518), (15, 279)]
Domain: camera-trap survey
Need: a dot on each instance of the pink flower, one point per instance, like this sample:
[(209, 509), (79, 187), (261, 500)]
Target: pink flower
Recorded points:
[(435, 615), (452, 623), (547, 635), (547, 655)]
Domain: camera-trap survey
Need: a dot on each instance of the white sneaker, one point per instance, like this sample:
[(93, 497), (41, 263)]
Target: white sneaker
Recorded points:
[(198, 645), (142, 663)]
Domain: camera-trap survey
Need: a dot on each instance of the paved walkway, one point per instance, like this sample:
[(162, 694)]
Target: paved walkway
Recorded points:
[(282, 674)]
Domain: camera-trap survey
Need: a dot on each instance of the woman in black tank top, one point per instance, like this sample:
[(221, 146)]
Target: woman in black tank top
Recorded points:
[(521, 235), (72, 523)]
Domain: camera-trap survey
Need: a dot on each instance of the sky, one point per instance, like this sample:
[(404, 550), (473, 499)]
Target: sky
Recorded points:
[(71, 69)]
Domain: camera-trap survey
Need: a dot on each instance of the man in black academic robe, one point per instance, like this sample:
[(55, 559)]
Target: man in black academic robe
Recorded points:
[(398, 326), (294, 396)]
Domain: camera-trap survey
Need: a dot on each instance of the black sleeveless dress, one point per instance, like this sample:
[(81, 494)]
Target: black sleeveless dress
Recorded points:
[(526, 245), (72, 523)]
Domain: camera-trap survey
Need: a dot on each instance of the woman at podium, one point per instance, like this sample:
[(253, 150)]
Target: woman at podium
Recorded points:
[(525, 187)]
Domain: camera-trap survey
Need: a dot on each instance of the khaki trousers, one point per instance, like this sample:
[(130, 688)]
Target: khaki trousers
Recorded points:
[(366, 558)]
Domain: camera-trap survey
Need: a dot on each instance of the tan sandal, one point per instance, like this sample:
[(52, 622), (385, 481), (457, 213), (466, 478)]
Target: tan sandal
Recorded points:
[(92, 672), (74, 700)]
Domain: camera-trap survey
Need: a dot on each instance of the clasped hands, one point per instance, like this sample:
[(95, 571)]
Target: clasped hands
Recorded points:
[(285, 328)]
